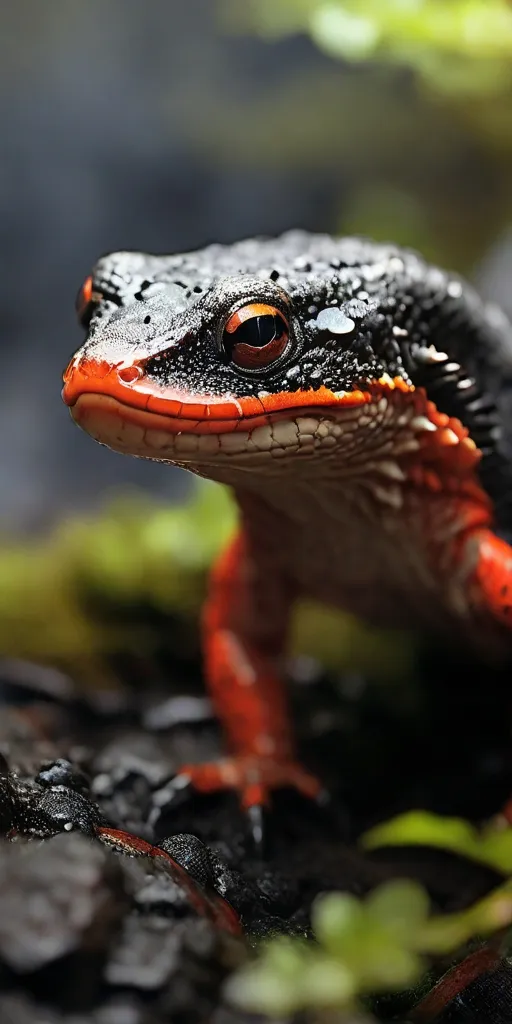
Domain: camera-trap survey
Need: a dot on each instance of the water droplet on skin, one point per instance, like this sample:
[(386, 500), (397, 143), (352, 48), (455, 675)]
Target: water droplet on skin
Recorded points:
[(335, 321)]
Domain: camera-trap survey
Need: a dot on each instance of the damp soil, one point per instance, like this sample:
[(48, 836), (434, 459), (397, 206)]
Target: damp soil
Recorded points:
[(93, 929)]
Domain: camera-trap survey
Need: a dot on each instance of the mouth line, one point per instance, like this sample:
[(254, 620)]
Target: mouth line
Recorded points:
[(398, 422), (91, 383), (263, 439), (92, 402)]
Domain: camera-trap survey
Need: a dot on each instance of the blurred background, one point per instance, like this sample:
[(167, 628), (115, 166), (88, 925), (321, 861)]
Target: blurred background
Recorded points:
[(166, 125)]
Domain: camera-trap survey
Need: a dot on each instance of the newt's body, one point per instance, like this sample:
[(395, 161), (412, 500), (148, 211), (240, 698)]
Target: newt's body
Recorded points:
[(359, 402)]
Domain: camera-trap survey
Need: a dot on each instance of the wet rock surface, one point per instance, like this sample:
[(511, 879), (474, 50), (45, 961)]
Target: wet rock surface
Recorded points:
[(100, 926)]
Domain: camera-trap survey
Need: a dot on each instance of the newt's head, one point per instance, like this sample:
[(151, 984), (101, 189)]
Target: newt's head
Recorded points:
[(239, 356)]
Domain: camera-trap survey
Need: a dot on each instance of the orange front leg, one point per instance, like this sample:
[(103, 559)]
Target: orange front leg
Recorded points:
[(493, 576), (492, 588), (244, 633)]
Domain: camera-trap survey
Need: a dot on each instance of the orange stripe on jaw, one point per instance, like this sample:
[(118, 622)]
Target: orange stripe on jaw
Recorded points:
[(203, 414), (445, 459), (90, 376)]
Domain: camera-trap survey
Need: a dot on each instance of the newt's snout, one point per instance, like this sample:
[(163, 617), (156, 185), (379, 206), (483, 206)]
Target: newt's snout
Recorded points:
[(84, 375)]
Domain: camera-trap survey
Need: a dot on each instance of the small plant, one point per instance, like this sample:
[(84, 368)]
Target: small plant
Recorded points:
[(382, 944)]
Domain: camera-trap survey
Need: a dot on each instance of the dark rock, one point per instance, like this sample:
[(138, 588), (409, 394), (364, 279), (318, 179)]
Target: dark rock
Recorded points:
[(126, 773), (152, 888), (62, 773), (78, 921), (18, 1009), (56, 898), (63, 809), (176, 710)]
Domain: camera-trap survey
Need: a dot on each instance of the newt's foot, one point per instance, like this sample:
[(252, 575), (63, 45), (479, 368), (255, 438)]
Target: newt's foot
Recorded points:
[(253, 777)]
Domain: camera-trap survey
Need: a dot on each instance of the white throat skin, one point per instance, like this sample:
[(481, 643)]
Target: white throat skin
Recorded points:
[(365, 500)]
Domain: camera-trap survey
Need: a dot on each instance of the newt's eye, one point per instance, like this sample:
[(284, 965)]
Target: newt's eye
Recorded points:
[(255, 336), (85, 302)]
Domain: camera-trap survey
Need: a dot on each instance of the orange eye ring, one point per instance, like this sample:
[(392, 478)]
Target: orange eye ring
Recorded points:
[(255, 336), (85, 301)]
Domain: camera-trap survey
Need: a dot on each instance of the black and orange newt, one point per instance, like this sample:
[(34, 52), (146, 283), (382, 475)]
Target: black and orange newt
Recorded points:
[(359, 403)]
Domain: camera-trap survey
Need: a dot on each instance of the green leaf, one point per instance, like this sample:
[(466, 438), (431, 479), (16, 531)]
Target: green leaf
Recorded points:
[(336, 917), (328, 983), (425, 829), (401, 906), (492, 846)]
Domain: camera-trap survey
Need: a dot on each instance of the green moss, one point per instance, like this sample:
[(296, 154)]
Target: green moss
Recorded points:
[(84, 594)]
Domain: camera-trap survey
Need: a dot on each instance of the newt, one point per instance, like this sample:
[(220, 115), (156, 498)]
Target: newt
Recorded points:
[(358, 401)]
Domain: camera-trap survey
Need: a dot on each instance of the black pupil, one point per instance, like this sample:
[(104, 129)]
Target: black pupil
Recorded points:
[(260, 331)]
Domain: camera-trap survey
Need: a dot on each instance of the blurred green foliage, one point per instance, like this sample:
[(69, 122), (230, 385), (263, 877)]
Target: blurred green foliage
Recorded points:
[(391, 940), (79, 597), (491, 845), (461, 46), (132, 579), (383, 943), (412, 112)]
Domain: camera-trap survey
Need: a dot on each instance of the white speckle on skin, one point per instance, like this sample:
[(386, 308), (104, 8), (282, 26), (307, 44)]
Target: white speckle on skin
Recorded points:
[(409, 445), (454, 289), (449, 437), (389, 495), (390, 469), (396, 264), (422, 423), (335, 321), (433, 356)]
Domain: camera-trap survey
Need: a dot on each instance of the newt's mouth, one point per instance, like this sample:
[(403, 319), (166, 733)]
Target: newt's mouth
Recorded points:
[(390, 429), (192, 412), (185, 440), (127, 411)]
